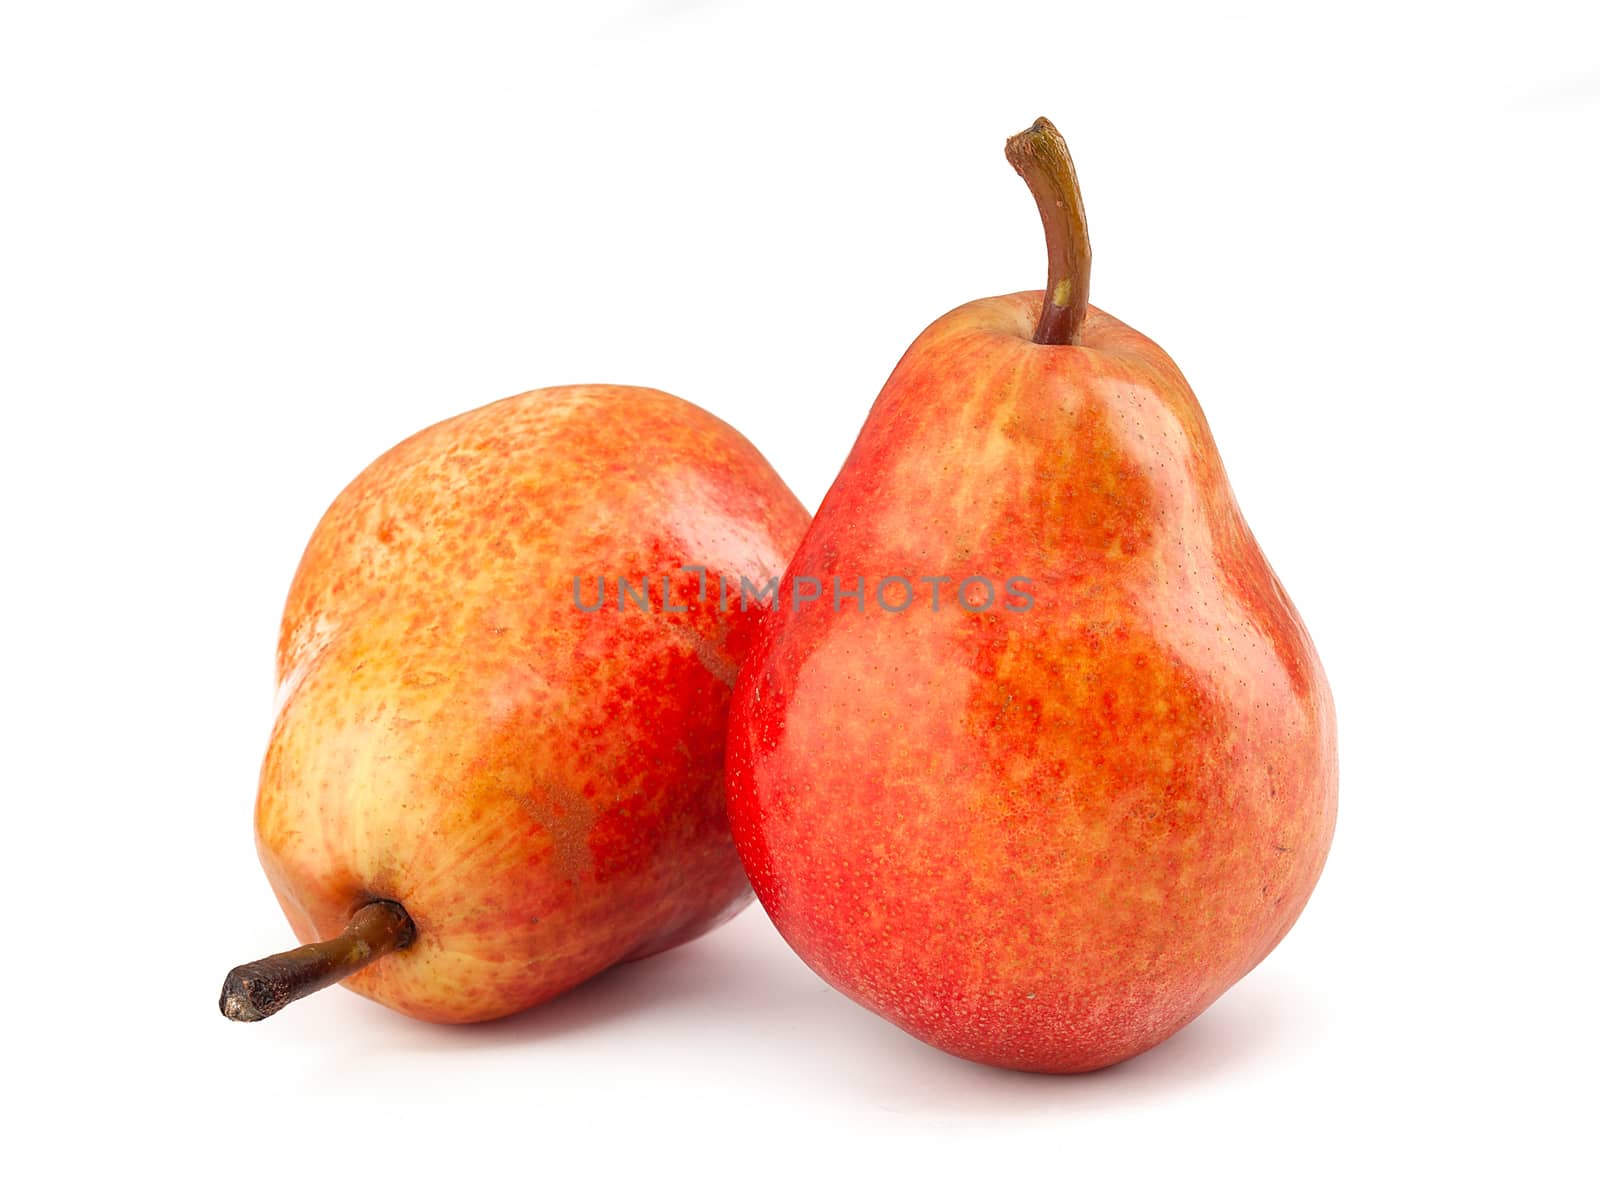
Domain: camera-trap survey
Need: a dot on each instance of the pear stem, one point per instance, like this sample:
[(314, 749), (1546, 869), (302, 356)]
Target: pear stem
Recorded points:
[(1040, 157), (258, 989)]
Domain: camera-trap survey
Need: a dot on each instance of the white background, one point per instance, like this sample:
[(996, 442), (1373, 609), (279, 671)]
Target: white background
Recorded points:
[(246, 247)]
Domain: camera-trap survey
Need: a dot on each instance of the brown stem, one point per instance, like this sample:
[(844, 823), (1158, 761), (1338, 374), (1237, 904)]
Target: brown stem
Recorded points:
[(1040, 157), (258, 989)]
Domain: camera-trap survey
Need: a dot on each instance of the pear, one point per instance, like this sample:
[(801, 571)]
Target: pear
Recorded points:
[(505, 665), (1038, 759)]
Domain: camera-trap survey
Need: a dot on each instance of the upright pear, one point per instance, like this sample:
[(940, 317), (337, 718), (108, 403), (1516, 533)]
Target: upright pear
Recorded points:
[(496, 767), (1037, 760)]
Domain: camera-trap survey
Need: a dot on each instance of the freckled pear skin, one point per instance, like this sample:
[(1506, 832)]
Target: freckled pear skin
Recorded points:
[(1044, 839), (540, 788)]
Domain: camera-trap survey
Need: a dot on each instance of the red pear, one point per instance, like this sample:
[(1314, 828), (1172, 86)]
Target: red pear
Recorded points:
[(1048, 763), (481, 789)]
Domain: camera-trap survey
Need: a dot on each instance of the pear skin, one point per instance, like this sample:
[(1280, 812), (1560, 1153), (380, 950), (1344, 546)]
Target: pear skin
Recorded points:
[(1048, 833)]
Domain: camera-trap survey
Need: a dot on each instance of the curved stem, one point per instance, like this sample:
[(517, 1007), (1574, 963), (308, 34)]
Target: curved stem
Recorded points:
[(1040, 157), (258, 989)]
